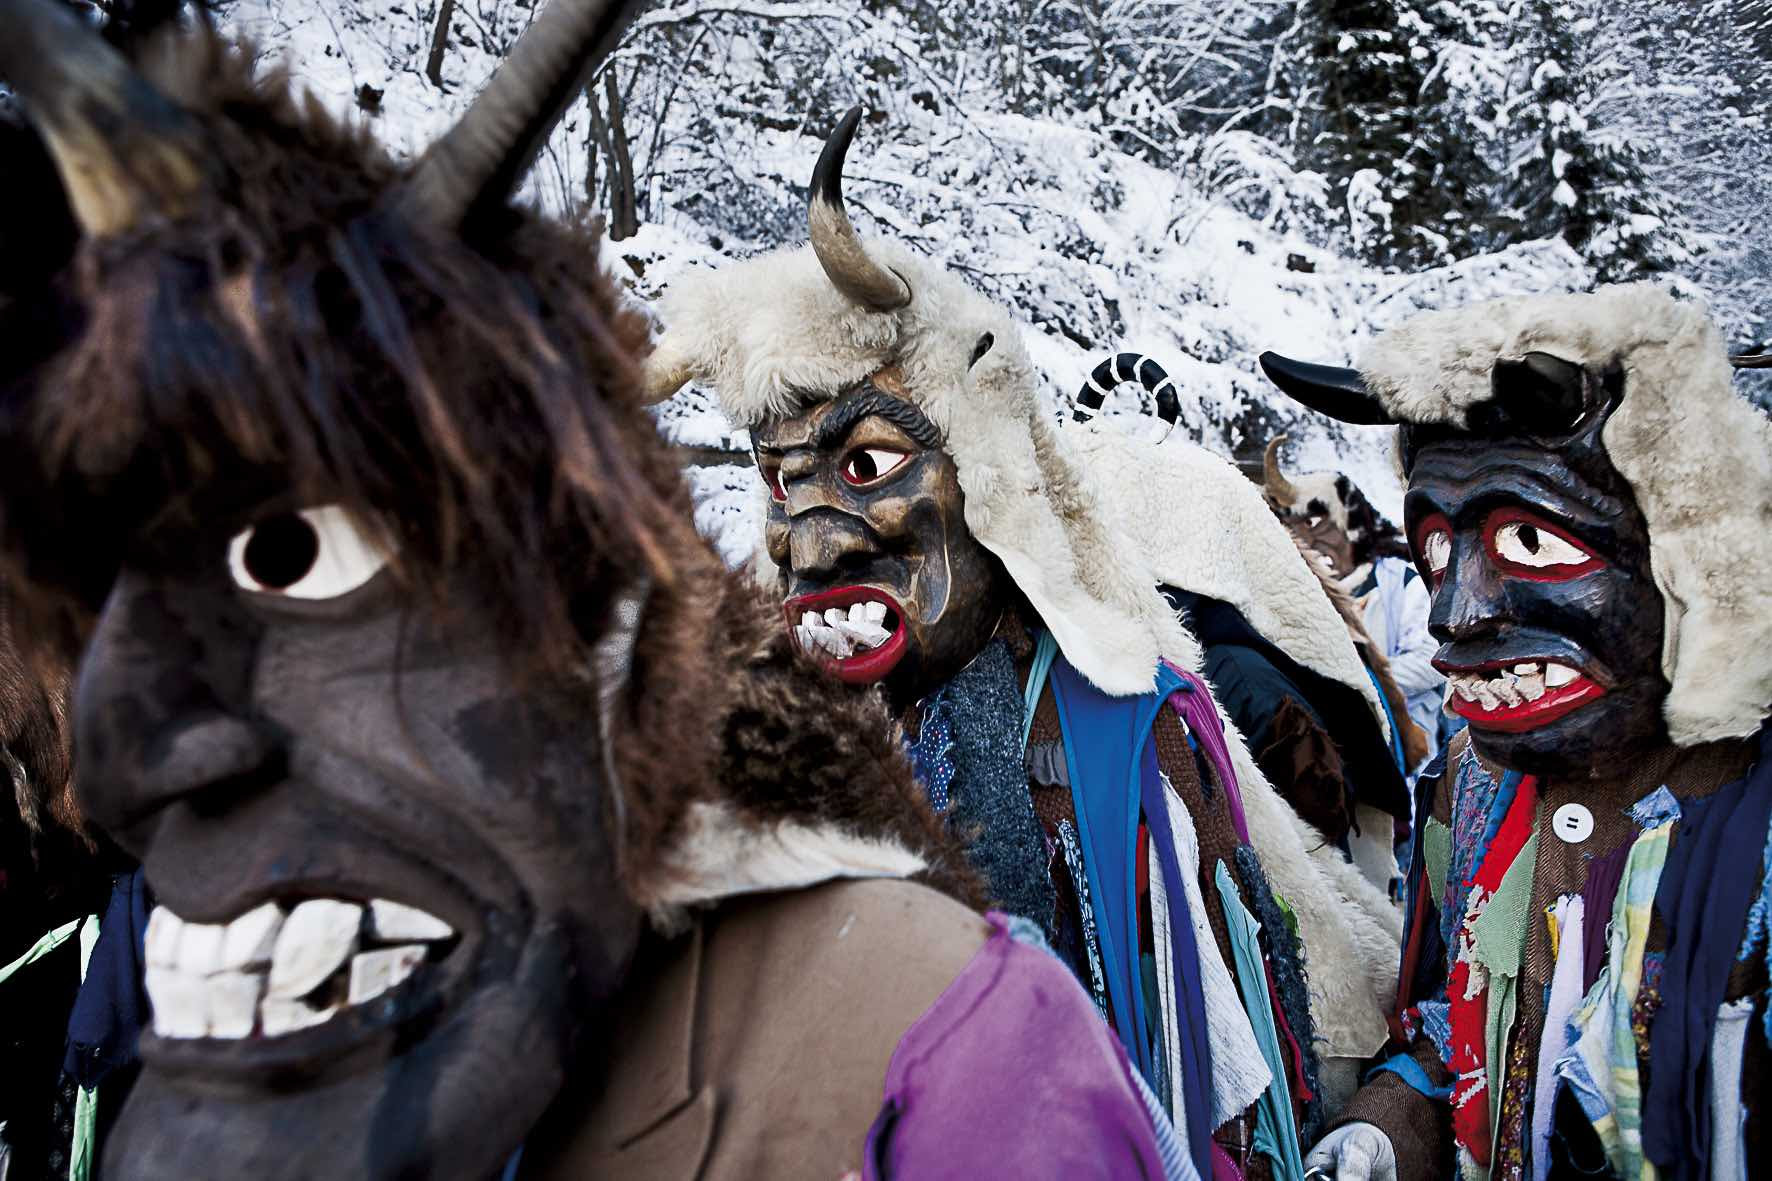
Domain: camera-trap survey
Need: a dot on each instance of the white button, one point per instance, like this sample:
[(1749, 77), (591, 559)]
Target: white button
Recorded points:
[(1573, 823)]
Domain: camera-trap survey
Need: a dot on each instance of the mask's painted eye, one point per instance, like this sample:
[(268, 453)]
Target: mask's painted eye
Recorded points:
[(1433, 546), (867, 464), (315, 553), (1526, 547)]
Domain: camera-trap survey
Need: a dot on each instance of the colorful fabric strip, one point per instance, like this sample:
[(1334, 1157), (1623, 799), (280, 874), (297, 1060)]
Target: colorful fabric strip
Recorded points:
[(1275, 1134)]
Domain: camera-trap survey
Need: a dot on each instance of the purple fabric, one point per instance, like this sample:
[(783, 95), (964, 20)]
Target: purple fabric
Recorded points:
[(1011, 1073), (1597, 895), (1223, 1167), (1195, 707)]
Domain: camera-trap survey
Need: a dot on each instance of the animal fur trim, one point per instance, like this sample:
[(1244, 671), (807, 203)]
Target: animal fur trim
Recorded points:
[(1203, 527), (722, 853), (1697, 455)]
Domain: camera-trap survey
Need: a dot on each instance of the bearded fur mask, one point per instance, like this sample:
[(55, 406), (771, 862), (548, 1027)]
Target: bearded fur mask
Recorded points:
[(1697, 458)]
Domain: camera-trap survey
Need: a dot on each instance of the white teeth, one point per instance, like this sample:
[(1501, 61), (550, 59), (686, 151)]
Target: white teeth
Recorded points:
[(164, 928), (1558, 675), (391, 922), (180, 1003), (835, 615), (200, 948), (282, 1016), (233, 1002), (1466, 687), (251, 937), (1526, 670), (867, 635), (212, 980), (1503, 687), (874, 611), (1486, 696), (315, 940), (811, 619), (842, 632), (858, 613), (1532, 688), (374, 972)]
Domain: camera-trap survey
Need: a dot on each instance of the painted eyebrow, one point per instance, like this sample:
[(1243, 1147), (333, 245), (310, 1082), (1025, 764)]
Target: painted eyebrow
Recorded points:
[(900, 413)]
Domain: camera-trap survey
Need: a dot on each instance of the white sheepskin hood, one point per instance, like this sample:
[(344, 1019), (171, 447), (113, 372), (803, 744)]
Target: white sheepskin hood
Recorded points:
[(1697, 456), (771, 334), (1204, 527)]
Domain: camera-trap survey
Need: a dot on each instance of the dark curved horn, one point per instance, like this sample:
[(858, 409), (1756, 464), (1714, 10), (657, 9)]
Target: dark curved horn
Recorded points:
[(123, 149), (477, 163), (1273, 477), (1752, 361), (1327, 389), (840, 251)]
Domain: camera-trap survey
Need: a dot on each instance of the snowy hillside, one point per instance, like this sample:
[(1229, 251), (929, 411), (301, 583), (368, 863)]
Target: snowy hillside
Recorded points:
[(1202, 261)]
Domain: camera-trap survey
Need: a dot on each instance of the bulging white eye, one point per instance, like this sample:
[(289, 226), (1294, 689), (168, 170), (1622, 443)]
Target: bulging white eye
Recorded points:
[(1525, 544), (1436, 550), (314, 553)]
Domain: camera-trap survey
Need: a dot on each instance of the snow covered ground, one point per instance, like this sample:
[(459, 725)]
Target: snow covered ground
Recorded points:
[(1095, 251)]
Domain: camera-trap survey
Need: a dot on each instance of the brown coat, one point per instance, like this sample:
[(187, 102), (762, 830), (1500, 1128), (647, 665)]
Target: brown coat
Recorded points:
[(756, 1045)]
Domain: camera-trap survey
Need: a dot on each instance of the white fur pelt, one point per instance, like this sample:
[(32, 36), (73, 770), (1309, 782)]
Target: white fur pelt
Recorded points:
[(724, 853), (1204, 527), (1697, 456)]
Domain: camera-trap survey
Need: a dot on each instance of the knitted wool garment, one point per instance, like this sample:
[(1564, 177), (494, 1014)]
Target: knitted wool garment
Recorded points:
[(989, 807)]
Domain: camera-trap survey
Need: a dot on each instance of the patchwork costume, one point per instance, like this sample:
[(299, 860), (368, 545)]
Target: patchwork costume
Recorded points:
[(1074, 743), (1584, 985)]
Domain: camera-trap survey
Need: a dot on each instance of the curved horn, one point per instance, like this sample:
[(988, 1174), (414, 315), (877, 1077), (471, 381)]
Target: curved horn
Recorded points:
[(477, 162), (1327, 389), (840, 251), (1752, 361), (1273, 477), (1123, 367), (123, 149)]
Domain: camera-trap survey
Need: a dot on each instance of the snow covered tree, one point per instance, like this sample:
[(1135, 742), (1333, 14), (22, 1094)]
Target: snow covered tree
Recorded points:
[(1580, 173)]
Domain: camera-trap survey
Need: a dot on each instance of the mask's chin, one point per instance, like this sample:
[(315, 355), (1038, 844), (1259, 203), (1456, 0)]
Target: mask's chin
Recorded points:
[(449, 1098)]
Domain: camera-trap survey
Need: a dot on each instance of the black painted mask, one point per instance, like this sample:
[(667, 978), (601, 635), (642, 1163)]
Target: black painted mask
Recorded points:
[(1550, 622), (387, 898), (885, 582)]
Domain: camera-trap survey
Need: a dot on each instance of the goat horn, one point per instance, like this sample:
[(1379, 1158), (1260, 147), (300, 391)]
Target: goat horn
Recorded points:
[(123, 149), (1752, 361), (1273, 476), (477, 162), (834, 240), (1327, 389)]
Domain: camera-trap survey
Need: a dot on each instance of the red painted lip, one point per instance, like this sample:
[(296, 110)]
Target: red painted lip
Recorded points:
[(864, 668), (1528, 715)]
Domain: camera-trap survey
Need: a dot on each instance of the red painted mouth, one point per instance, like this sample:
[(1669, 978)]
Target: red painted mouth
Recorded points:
[(865, 665), (1537, 703)]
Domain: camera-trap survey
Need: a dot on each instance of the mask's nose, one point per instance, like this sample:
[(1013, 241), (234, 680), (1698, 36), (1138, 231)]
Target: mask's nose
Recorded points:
[(150, 723), (822, 544), (1469, 602)]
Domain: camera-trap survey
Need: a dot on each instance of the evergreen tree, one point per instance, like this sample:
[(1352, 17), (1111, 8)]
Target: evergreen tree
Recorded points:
[(1392, 100), (1576, 176)]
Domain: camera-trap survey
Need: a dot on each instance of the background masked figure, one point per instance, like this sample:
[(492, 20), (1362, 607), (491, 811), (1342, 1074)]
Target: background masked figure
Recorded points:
[(483, 808), (1367, 558), (929, 532), (1585, 973)]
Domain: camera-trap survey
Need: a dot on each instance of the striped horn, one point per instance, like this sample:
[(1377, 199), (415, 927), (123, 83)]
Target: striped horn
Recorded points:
[(1128, 367)]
